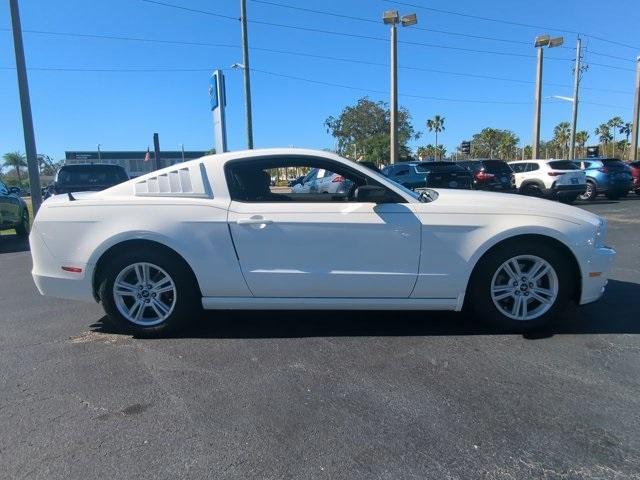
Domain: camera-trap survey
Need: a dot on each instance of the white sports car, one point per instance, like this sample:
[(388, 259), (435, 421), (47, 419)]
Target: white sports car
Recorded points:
[(212, 233)]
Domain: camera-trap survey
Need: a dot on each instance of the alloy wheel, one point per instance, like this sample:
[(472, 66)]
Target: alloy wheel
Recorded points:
[(524, 287), (144, 294)]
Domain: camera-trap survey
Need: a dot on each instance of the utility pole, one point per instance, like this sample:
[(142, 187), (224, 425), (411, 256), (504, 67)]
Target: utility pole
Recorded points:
[(99, 154), (636, 115), (576, 87), (536, 112), (246, 73), (394, 95), (25, 105), (182, 148), (156, 152)]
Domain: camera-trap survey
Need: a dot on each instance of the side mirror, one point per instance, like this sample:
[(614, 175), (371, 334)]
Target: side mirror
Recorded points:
[(371, 193)]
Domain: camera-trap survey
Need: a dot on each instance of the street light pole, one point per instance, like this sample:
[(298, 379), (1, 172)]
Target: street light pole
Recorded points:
[(394, 148), (576, 87), (99, 155), (536, 111), (540, 42), (246, 73), (182, 148), (391, 17), (25, 105), (636, 115)]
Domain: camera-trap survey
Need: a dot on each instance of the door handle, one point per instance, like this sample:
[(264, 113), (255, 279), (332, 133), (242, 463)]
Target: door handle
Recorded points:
[(255, 220)]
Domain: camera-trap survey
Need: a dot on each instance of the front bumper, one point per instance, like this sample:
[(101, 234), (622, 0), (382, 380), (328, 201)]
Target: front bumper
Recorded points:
[(596, 273)]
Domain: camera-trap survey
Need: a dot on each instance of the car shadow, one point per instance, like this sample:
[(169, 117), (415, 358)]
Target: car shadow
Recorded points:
[(12, 243), (615, 313)]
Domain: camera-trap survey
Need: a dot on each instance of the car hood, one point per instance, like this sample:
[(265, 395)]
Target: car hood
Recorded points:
[(480, 202)]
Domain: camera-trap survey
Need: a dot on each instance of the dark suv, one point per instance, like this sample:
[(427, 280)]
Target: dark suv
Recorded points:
[(429, 174), (608, 176), (491, 174), (86, 177)]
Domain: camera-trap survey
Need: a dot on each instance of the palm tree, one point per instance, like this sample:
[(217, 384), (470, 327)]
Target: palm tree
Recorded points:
[(604, 135), (615, 124), (436, 124), (15, 160), (562, 135), (626, 131), (581, 139)]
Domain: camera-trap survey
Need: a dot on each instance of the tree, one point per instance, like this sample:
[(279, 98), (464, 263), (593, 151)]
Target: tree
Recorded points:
[(364, 127), (626, 131), (493, 143), (581, 139), (436, 124), (562, 136), (15, 160), (615, 124), (604, 135)]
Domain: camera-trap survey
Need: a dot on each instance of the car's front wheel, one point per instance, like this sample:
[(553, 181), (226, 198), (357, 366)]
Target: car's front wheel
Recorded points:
[(148, 293), (521, 286)]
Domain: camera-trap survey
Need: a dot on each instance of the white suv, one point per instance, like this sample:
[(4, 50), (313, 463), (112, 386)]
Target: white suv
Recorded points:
[(559, 179)]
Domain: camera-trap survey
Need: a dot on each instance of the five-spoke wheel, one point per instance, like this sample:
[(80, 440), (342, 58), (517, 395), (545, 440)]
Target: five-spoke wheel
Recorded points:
[(148, 291), (522, 284)]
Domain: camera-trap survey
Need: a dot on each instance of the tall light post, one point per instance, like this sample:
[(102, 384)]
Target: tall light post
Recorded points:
[(391, 17), (99, 154), (182, 150), (636, 115), (540, 42), (246, 73), (25, 106)]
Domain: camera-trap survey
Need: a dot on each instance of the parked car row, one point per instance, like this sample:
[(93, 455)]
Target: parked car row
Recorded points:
[(13, 210)]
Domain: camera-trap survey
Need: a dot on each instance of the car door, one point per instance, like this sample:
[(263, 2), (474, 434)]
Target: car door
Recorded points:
[(326, 248)]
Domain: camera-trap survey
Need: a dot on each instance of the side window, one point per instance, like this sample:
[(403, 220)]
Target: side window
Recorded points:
[(533, 167), (249, 180), (402, 171), (516, 167)]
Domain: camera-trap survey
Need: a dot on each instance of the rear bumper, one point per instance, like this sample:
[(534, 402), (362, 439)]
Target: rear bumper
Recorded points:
[(596, 273)]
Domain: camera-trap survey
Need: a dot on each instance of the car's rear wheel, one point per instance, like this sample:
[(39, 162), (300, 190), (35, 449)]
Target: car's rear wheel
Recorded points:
[(23, 228), (532, 190), (522, 286), (148, 293), (568, 199), (590, 193)]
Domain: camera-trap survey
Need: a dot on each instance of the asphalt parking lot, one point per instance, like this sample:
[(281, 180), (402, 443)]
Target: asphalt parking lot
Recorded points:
[(389, 395)]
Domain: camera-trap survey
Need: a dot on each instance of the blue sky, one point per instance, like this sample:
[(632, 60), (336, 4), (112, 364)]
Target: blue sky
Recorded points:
[(76, 110)]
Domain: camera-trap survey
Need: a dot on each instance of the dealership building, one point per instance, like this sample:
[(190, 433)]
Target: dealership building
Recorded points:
[(133, 162)]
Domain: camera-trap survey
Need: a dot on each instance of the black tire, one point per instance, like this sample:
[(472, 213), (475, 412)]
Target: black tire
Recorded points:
[(590, 193), (532, 190), (568, 199), (187, 298), (23, 228), (637, 191), (481, 304), (613, 195)]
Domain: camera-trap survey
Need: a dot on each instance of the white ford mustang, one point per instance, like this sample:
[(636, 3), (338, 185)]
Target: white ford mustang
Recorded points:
[(212, 233)]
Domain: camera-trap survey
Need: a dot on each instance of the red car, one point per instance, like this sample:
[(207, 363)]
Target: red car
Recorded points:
[(635, 173)]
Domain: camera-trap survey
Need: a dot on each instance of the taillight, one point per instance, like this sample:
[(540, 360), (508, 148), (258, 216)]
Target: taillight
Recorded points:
[(603, 170), (338, 179), (555, 174), (482, 175)]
